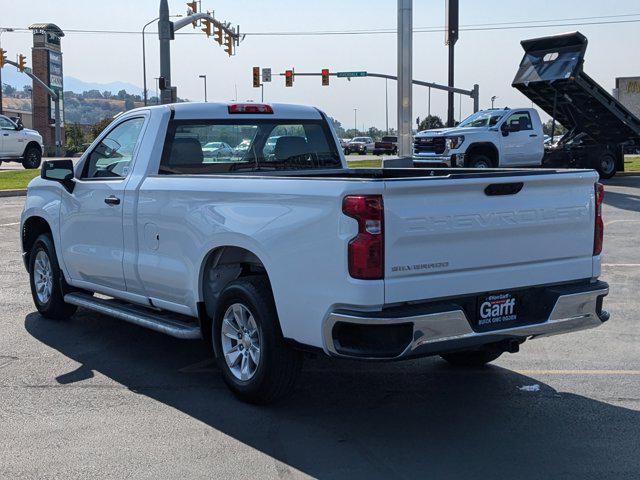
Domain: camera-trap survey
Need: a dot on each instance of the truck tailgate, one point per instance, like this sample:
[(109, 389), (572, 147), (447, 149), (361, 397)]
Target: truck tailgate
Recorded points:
[(447, 236)]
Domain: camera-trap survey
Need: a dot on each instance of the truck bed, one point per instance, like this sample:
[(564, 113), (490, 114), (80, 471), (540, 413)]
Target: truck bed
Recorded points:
[(551, 75)]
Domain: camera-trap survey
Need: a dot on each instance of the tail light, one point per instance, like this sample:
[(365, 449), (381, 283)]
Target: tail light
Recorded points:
[(366, 250), (599, 230)]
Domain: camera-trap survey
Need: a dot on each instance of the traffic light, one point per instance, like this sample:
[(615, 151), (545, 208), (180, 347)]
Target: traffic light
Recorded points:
[(288, 78), (22, 62), (219, 35), (3, 57), (193, 6), (228, 42), (256, 77), (325, 77), (207, 27)]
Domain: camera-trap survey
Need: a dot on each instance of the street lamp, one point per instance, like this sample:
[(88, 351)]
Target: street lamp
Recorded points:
[(144, 58), (2, 30), (493, 99), (204, 77), (355, 121)]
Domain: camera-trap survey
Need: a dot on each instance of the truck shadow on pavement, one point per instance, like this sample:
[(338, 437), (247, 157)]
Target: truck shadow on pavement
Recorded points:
[(358, 420)]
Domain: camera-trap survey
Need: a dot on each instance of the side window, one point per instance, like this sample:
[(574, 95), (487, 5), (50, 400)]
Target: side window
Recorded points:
[(112, 157), (6, 124), (523, 119)]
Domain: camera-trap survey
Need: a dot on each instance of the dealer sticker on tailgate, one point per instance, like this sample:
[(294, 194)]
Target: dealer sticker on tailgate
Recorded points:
[(498, 310)]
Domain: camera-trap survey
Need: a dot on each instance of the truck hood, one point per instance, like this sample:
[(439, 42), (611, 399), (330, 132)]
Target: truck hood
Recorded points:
[(450, 132), (31, 132)]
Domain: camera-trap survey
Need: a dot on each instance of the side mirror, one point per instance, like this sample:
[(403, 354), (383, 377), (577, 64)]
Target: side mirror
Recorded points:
[(60, 171), (19, 126)]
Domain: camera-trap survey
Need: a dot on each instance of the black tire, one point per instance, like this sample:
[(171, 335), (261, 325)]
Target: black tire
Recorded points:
[(278, 365), (346, 151), (480, 161), (471, 358), (363, 153), (32, 158), (55, 306), (606, 166)]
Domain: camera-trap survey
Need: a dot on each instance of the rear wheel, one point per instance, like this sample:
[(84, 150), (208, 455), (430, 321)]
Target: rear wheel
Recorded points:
[(47, 281), (480, 161), (32, 158), (256, 363), (471, 358), (606, 166)]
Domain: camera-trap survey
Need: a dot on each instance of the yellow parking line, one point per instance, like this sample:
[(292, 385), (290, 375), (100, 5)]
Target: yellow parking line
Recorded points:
[(579, 372)]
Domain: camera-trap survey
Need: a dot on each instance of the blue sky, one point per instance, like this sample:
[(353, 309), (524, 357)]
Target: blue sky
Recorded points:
[(489, 58)]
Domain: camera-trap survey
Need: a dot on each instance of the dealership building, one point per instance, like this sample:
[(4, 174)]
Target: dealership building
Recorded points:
[(627, 92)]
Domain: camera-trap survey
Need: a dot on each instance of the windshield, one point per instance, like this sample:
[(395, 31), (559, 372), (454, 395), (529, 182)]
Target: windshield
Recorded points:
[(487, 118)]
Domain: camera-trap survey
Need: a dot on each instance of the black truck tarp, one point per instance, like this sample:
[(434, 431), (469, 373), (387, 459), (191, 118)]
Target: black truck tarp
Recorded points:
[(551, 75)]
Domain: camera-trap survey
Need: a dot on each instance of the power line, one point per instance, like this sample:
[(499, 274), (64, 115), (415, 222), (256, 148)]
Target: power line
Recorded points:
[(573, 22)]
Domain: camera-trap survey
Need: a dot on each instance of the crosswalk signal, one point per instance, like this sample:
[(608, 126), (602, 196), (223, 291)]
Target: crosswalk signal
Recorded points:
[(219, 36), (256, 77), (228, 41), (288, 78), (3, 57), (325, 77), (207, 27), (22, 62)]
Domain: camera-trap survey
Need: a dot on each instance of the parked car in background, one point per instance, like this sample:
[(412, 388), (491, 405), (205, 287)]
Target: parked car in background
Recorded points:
[(360, 145), (217, 149), (19, 144), (266, 258), (344, 142), (388, 145)]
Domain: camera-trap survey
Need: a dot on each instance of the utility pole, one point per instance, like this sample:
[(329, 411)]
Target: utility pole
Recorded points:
[(451, 37), (204, 78), (429, 103), (355, 121), (386, 102), (493, 99), (405, 76)]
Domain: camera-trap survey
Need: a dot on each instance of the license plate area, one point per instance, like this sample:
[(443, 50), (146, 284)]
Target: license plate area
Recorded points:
[(500, 310)]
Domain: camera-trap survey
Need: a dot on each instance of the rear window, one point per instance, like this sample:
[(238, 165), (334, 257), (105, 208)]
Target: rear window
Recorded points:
[(389, 139), (244, 146)]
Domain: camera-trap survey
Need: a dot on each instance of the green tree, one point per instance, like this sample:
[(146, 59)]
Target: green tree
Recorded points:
[(559, 129), (97, 128), (75, 138), (431, 122), (128, 103)]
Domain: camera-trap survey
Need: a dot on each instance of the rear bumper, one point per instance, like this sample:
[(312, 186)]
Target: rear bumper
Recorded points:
[(445, 327)]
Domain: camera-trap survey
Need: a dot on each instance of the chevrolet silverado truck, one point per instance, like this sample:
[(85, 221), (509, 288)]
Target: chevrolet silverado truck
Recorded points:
[(19, 144), (267, 255), (487, 139)]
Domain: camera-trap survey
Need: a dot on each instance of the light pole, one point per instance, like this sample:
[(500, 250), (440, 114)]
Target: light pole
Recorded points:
[(386, 101), (204, 78), (157, 79), (2, 30), (493, 99), (355, 121), (144, 58)]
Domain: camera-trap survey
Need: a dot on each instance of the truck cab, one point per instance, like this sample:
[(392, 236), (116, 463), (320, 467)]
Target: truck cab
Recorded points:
[(487, 139), (19, 144)]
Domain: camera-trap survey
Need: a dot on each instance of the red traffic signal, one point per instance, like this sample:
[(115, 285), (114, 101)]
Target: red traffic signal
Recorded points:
[(256, 77), (325, 77), (288, 78), (228, 42)]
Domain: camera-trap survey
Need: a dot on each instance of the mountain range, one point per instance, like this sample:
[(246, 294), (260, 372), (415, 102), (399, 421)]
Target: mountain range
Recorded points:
[(17, 80)]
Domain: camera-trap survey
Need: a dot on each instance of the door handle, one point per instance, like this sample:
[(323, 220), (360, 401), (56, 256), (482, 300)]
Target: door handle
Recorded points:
[(5, 134), (112, 200), (533, 135)]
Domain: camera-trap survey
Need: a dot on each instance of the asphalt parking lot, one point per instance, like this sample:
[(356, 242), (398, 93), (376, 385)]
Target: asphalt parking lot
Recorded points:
[(96, 398)]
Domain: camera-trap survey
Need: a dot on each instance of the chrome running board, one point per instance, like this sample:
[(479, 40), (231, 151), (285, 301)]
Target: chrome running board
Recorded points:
[(136, 315)]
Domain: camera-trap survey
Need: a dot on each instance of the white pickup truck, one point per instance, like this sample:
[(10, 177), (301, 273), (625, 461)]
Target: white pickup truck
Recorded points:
[(487, 139), (19, 144), (273, 250)]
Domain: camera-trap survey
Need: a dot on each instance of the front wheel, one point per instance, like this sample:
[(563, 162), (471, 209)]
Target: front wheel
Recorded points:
[(256, 363), (47, 281), (606, 166), (32, 158), (480, 161), (471, 358)]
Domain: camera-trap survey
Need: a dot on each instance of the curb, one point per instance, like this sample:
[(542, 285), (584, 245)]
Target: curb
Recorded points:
[(627, 174), (13, 193)]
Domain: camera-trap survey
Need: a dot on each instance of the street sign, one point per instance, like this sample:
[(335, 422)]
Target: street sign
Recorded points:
[(351, 74), (266, 75)]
